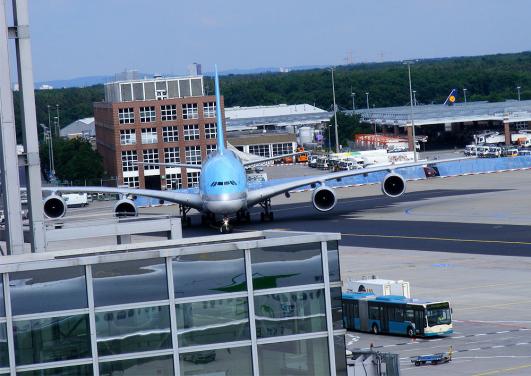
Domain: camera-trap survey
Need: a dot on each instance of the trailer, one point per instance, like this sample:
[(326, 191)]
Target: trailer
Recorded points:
[(433, 359)]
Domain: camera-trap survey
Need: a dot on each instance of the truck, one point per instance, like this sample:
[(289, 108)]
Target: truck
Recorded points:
[(489, 138), (76, 199), (381, 287)]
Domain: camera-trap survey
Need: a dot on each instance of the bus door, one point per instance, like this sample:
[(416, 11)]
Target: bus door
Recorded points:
[(420, 321), (348, 314), (364, 315), (384, 318)]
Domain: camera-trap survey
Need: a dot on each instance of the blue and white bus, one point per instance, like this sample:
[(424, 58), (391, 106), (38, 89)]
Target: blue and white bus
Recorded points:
[(396, 315)]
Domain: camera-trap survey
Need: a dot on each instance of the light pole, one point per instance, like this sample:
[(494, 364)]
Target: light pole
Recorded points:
[(367, 94), (353, 95), (414, 97), (57, 110), (48, 132), (408, 63), (518, 89), (335, 110), (464, 93)]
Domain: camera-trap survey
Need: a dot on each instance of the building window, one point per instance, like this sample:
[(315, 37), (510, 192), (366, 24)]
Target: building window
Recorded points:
[(193, 154), (280, 149), (149, 135), (168, 112), (191, 132), (132, 182), (147, 114), (129, 160), (210, 131), (171, 155), (170, 134), (209, 109), (210, 148), (261, 150), (190, 111), (127, 137), (126, 116), (193, 179), (174, 181), (151, 156)]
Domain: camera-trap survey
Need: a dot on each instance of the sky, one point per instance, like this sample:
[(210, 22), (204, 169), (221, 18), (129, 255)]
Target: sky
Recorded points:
[(74, 38)]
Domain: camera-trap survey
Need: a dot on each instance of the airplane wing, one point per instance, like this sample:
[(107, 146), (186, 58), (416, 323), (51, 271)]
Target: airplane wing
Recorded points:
[(260, 194), (192, 200), (179, 165), (261, 160)]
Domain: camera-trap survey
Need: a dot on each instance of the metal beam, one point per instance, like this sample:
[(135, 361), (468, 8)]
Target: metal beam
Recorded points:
[(29, 125), (8, 144)]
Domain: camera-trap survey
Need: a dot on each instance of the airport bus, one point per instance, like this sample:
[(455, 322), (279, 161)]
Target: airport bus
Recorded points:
[(394, 314)]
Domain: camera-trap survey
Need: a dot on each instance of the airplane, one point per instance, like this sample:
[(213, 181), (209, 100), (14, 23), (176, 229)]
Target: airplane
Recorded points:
[(224, 190)]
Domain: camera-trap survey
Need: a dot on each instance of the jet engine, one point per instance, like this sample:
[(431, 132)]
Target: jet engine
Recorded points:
[(393, 185), (125, 208), (324, 198), (54, 206)]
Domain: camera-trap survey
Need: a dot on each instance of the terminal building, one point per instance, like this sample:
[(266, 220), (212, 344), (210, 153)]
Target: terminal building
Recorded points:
[(462, 120), (259, 303), (158, 120)]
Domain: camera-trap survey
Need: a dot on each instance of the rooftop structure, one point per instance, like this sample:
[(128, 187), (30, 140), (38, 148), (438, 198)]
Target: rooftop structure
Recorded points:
[(79, 128), (265, 302), (514, 111)]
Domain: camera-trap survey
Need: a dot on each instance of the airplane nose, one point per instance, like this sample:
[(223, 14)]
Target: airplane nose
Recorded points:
[(225, 207)]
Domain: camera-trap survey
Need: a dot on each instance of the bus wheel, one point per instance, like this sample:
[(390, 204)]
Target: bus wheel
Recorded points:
[(375, 329), (410, 332)]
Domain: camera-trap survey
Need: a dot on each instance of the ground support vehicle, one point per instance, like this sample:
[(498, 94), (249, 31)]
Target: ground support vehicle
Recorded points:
[(431, 359)]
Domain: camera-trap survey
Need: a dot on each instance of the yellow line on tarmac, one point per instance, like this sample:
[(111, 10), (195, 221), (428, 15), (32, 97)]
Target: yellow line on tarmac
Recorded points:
[(496, 371), (436, 238)]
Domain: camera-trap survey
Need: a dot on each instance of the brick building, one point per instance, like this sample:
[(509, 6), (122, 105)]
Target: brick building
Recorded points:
[(159, 120)]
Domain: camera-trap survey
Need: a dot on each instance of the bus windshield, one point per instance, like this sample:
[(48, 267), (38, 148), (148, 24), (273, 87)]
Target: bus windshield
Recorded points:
[(438, 314)]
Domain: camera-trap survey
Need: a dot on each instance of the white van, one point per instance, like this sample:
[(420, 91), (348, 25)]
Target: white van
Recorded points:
[(75, 199)]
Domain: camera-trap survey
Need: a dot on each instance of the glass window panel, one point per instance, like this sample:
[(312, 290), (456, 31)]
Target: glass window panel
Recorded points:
[(227, 362), (129, 282), (337, 307), (149, 90), (48, 290), (197, 88), (126, 92), (290, 313), (303, 357), (173, 89), (2, 307), (340, 355), (287, 266), (51, 339), (133, 330), (333, 261), (213, 321), (138, 91), (184, 88), (4, 354), (209, 273), (81, 370), (160, 365)]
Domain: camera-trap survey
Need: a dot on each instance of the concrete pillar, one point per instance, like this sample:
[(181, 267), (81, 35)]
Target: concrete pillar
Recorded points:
[(410, 142), (507, 131), (396, 131)]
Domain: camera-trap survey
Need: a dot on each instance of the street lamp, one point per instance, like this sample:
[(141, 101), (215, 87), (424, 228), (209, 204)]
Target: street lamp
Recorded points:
[(464, 93), (518, 89), (353, 95), (48, 132), (414, 97), (408, 63), (57, 129), (367, 94), (335, 110)]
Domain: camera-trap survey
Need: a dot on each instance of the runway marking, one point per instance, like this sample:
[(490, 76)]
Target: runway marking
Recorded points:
[(502, 370), (437, 239)]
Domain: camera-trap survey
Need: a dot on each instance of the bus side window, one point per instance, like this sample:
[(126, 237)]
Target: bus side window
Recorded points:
[(410, 316), (374, 313)]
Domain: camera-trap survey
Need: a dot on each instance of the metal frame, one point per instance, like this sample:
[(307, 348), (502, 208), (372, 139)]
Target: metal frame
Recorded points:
[(243, 243)]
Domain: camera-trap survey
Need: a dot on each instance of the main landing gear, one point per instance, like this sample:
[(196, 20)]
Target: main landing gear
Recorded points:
[(185, 219), (267, 214), (243, 216)]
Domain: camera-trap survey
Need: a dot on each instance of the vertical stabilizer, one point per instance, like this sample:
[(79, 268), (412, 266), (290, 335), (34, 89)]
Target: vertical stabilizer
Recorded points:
[(219, 122)]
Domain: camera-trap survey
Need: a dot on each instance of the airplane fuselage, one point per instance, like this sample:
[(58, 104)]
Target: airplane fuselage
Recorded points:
[(223, 183)]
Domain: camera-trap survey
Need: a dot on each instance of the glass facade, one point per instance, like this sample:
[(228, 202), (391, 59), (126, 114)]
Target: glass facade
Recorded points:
[(226, 273), (133, 330), (160, 365), (303, 357), (51, 339), (213, 321), (290, 313), (289, 265), (333, 261), (48, 290), (70, 310), (129, 282), (2, 307), (227, 362), (340, 351)]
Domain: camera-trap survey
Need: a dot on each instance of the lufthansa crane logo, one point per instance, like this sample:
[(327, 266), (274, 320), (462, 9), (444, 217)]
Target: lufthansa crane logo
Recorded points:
[(452, 98)]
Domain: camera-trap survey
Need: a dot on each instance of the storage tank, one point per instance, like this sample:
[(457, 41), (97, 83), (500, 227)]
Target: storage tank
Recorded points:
[(305, 135)]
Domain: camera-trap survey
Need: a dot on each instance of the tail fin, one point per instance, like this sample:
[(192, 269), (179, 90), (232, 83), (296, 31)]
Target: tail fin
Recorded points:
[(219, 122), (451, 98)]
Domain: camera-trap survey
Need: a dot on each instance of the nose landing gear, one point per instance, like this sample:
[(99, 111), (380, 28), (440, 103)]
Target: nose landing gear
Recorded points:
[(226, 227)]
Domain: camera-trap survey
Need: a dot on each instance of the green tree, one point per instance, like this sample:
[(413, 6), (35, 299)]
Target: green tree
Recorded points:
[(347, 127), (74, 159)]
